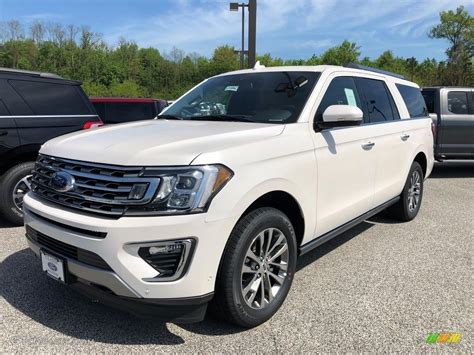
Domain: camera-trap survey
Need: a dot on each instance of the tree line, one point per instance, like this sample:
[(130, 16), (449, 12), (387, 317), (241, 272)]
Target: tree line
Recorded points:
[(128, 70)]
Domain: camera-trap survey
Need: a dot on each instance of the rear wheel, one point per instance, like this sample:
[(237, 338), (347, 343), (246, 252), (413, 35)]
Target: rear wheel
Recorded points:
[(410, 199), (14, 185), (257, 268)]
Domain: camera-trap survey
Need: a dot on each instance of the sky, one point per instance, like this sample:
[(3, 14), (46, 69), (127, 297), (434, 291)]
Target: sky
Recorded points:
[(290, 29)]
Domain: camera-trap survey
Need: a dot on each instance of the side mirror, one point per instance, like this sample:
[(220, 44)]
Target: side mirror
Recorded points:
[(341, 116)]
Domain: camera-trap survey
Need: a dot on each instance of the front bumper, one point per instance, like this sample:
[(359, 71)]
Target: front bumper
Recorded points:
[(107, 288), (129, 272)]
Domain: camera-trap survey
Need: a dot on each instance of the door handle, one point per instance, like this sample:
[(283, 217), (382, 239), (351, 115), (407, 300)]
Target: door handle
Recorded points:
[(404, 136), (368, 145), (3, 133)]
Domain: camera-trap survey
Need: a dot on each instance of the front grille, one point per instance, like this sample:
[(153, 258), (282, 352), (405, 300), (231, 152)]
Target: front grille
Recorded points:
[(97, 188), (66, 250)]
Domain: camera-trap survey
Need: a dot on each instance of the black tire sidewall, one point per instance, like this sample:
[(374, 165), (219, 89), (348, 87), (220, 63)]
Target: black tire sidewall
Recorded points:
[(270, 218), (7, 184), (412, 214)]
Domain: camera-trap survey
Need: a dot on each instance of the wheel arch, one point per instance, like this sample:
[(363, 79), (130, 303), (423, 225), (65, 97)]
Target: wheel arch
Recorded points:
[(19, 155), (286, 203), (421, 159)]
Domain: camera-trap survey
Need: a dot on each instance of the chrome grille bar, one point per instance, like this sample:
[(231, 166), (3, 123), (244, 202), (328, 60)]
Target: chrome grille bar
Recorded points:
[(98, 188)]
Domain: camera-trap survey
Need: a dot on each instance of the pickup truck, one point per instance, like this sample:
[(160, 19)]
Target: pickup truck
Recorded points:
[(214, 202), (452, 111)]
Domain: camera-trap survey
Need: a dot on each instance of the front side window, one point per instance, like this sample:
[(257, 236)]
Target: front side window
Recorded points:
[(457, 102), (268, 97), (50, 98), (377, 100), (341, 91), (413, 100)]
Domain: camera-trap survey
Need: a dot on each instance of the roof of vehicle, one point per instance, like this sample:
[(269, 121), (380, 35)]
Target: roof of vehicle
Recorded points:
[(448, 87), (325, 68), (37, 74), (123, 99)]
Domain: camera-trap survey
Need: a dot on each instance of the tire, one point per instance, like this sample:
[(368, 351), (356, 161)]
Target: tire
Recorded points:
[(410, 199), (14, 178), (234, 281)]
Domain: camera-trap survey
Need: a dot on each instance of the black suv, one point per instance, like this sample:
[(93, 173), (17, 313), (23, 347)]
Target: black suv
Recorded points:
[(34, 107)]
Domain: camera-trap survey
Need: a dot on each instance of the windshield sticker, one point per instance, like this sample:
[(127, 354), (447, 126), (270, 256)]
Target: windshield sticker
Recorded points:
[(231, 88), (351, 100)]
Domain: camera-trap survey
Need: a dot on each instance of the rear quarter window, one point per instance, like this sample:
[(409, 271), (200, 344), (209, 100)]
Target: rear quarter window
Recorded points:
[(46, 98), (118, 112), (429, 96), (413, 100)]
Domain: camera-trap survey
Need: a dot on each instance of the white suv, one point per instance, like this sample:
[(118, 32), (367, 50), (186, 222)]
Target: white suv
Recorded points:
[(217, 198)]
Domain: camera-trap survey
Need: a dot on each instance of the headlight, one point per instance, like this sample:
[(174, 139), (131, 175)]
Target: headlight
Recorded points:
[(184, 189)]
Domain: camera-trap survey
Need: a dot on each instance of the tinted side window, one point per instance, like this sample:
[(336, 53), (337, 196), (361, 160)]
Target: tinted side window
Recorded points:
[(413, 100), (3, 109), (378, 100), (50, 98), (457, 102), (100, 109), (429, 96), (118, 112), (341, 91)]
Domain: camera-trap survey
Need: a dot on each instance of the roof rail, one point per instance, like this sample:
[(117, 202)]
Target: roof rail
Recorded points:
[(29, 72), (375, 70)]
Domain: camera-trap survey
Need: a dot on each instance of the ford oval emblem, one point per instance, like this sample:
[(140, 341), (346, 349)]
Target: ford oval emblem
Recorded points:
[(52, 266), (62, 181)]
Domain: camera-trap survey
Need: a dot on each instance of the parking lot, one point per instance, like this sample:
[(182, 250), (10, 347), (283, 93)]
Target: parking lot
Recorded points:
[(382, 286)]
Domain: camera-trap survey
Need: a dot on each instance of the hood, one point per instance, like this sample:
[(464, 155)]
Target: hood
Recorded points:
[(156, 142)]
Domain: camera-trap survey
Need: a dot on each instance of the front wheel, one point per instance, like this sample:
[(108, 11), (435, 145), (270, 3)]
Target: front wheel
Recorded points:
[(257, 268), (14, 185), (410, 199)]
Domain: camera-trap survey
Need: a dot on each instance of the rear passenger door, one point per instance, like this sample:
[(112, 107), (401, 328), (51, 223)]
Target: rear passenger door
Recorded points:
[(393, 145), (456, 129)]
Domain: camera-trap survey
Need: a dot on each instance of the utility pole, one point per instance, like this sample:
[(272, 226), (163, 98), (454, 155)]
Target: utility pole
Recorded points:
[(252, 32), (251, 53)]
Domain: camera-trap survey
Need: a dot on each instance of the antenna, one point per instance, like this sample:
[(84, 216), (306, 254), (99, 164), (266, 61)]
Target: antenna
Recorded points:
[(258, 66)]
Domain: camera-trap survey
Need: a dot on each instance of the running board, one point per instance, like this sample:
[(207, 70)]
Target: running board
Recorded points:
[(335, 232)]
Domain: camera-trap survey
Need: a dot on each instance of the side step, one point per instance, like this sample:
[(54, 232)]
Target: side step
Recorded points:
[(335, 232)]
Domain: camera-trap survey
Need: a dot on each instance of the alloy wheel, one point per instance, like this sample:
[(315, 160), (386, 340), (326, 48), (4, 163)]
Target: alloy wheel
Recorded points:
[(264, 268), (414, 191), (21, 188)]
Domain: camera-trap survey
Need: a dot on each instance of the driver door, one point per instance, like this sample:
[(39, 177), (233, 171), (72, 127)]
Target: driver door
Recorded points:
[(346, 161)]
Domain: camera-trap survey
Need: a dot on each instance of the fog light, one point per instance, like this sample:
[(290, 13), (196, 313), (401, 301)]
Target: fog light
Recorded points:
[(169, 258), (170, 248)]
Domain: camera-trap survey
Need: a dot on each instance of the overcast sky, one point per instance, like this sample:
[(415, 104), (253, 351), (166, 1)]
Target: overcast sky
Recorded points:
[(285, 28)]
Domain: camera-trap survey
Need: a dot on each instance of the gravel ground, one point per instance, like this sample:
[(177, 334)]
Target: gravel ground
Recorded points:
[(380, 287)]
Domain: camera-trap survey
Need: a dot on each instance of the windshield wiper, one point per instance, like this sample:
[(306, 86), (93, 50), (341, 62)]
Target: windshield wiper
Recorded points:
[(229, 118), (170, 117)]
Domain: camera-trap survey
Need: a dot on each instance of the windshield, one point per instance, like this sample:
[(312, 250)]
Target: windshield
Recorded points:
[(269, 97)]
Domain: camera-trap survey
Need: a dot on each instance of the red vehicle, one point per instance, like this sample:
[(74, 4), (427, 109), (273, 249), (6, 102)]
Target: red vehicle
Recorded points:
[(127, 109)]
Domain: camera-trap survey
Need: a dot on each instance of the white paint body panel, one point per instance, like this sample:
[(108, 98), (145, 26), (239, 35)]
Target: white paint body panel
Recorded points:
[(329, 174)]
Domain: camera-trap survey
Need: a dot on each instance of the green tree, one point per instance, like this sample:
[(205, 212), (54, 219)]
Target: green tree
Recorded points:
[(458, 28), (347, 52)]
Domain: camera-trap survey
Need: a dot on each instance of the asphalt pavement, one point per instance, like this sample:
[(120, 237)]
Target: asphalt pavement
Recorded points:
[(383, 286)]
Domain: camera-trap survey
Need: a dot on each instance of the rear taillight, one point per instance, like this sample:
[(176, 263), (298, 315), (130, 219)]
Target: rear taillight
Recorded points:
[(92, 124)]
